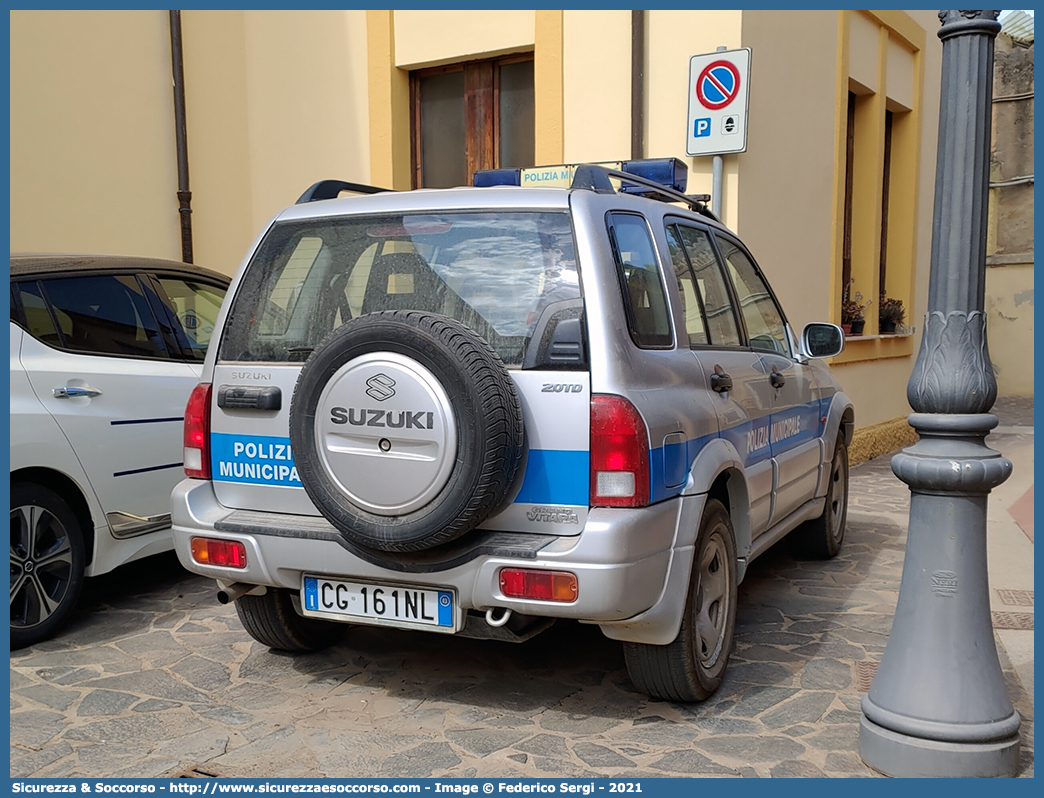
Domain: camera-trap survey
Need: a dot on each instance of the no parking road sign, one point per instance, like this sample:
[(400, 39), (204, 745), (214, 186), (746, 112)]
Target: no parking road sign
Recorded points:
[(718, 100)]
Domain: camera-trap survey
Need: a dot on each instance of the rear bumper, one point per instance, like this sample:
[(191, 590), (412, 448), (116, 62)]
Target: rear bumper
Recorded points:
[(622, 559)]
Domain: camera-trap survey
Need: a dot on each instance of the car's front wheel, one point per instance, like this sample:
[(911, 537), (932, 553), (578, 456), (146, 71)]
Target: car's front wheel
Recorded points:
[(47, 562), (691, 667)]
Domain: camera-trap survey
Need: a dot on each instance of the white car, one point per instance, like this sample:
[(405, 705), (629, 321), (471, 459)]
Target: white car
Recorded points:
[(104, 353)]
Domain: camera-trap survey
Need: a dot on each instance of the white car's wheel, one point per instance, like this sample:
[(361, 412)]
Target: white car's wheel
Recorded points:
[(47, 563)]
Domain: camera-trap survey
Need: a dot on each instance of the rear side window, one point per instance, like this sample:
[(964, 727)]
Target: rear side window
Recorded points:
[(644, 299), (498, 273), (195, 306), (105, 315), (38, 318), (710, 281)]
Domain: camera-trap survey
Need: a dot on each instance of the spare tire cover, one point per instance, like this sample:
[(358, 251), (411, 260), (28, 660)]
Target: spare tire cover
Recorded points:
[(406, 430)]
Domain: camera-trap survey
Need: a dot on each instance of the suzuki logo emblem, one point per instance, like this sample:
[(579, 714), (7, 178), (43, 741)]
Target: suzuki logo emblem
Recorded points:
[(379, 386)]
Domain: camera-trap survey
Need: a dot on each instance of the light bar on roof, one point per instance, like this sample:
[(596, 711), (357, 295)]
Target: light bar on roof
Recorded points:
[(670, 173)]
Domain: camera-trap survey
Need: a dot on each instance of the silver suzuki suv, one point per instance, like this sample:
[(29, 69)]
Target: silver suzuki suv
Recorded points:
[(477, 410)]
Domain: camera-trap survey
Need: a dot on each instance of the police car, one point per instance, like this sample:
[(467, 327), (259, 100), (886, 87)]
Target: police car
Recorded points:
[(477, 410)]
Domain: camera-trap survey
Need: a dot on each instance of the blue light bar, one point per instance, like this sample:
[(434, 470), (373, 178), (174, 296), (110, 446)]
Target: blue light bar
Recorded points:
[(497, 177), (668, 172)]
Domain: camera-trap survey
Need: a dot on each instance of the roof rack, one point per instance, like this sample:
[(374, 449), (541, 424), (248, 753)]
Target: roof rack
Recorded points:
[(661, 179), (595, 177), (329, 189)]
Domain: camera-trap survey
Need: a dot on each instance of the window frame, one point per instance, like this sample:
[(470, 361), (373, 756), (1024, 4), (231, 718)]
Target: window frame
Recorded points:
[(731, 239), (481, 115), (621, 280)]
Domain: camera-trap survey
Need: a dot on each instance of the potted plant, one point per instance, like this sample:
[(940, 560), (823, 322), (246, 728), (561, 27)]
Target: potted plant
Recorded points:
[(853, 311), (891, 314)]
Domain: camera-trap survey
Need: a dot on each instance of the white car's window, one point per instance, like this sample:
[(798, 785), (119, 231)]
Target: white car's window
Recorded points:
[(196, 306), (105, 315)]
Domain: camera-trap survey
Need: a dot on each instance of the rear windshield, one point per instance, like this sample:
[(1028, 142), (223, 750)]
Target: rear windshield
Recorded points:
[(498, 273)]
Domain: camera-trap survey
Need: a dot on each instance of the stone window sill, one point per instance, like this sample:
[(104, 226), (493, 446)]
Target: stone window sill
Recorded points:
[(874, 347)]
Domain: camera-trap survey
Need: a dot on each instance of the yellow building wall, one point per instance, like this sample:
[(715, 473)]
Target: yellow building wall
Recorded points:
[(461, 36), (1009, 324), (688, 33), (596, 78), (276, 100), (93, 163)]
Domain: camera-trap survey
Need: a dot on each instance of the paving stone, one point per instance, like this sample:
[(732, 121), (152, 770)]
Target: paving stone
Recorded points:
[(106, 758), (839, 737), (118, 623), (135, 728), (561, 768), (156, 648), (196, 748), (795, 769), (19, 680), (803, 708), (662, 735), (748, 748), (483, 742), (419, 762), (65, 675), (577, 723), (799, 731), (104, 702), (153, 683), (848, 764), (156, 705), (768, 673), (27, 763), (146, 769), (194, 628), (519, 757), (837, 650), (598, 756), (756, 700), (826, 674), (762, 653), (549, 745), (689, 762), (254, 696), (202, 674), (843, 716), (224, 715), (35, 727), (49, 696)]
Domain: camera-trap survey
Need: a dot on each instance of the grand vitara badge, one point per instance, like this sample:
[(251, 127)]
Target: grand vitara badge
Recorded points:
[(392, 459)]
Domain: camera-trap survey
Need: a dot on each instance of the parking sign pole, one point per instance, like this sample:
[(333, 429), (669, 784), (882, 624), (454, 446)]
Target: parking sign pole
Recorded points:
[(938, 705)]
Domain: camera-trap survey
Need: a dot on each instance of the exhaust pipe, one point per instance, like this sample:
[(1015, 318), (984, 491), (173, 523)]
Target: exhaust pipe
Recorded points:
[(227, 595)]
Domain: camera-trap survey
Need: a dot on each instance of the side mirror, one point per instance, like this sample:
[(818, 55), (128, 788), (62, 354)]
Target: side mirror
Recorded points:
[(819, 339)]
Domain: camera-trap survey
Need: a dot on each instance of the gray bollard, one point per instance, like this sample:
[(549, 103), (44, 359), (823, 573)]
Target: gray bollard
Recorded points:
[(938, 705)]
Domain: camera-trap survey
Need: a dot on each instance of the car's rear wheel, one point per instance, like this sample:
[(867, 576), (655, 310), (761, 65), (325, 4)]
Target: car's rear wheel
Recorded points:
[(821, 538), (272, 620), (691, 667), (47, 562)]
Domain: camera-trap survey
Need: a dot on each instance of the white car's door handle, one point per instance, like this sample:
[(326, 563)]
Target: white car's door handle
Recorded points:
[(74, 391)]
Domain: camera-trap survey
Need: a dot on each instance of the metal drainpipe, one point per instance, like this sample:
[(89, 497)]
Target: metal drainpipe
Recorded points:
[(181, 133), (637, 84)]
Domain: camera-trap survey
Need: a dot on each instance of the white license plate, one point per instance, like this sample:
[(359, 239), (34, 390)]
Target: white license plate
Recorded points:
[(390, 605)]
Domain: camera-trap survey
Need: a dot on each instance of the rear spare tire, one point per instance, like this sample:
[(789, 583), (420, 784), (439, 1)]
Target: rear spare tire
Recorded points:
[(406, 430)]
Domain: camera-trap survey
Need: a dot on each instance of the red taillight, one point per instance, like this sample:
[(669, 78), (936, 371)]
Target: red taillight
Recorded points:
[(197, 433), (227, 553), (619, 454), (535, 584)]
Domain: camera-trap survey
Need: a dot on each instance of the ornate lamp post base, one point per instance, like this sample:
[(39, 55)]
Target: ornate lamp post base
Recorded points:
[(938, 705), (908, 756)]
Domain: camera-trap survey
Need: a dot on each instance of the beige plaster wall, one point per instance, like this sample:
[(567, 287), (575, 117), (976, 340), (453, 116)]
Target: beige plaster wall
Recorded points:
[(93, 165), (786, 176), (667, 86), (277, 100), (462, 35), (1009, 320), (596, 79)]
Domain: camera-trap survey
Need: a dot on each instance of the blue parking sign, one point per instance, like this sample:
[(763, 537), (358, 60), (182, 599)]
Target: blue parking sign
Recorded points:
[(701, 127)]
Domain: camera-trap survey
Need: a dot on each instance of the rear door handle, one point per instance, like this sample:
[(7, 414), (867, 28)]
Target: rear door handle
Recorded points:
[(776, 379), (75, 391), (720, 381)]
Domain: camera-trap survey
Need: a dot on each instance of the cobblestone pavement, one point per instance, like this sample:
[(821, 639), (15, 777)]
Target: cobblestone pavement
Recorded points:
[(155, 678)]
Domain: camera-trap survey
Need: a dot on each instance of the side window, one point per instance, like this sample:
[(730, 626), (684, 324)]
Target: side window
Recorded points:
[(38, 319), (710, 282), (195, 305), (765, 328), (692, 306), (647, 317), (105, 315)]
